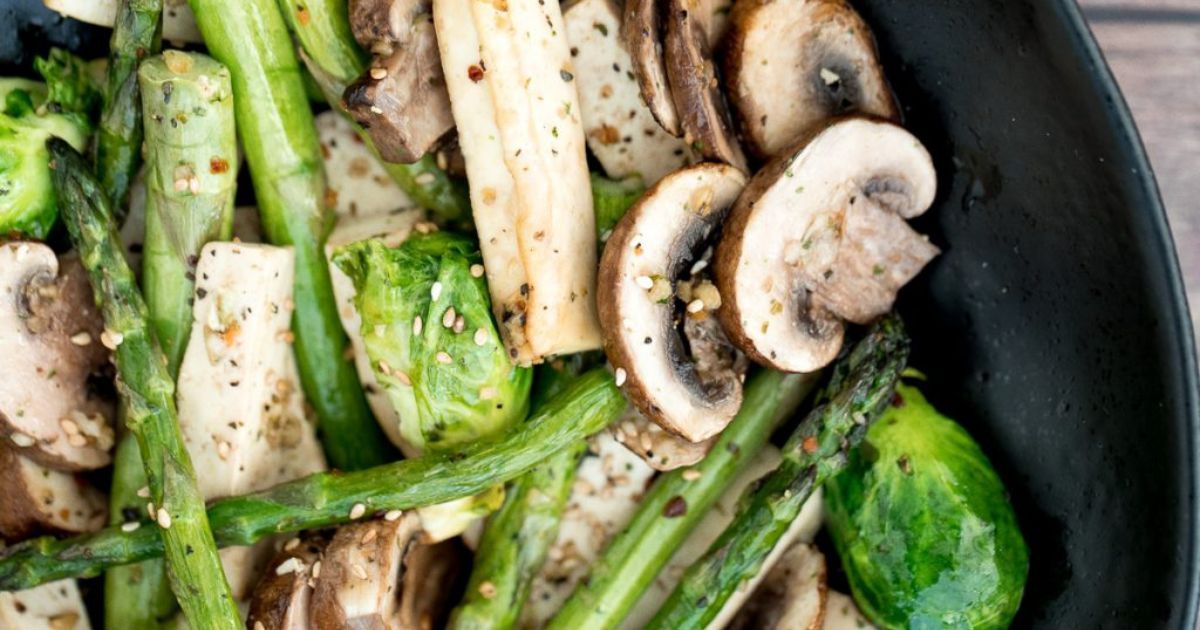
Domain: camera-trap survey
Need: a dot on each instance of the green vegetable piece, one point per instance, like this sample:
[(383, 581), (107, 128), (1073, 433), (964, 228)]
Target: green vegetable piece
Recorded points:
[(428, 329), (612, 198), (69, 87), (924, 527)]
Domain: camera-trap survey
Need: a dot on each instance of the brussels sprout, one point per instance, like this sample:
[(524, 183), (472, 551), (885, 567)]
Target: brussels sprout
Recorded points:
[(611, 198), (923, 525), (428, 329), (30, 113)]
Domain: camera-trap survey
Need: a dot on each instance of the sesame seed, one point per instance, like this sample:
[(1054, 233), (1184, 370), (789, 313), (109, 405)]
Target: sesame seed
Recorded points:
[(378, 73), (77, 440), (81, 339), (691, 474), (223, 449), (316, 572), (488, 590), (357, 511), (150, 511), (286, 336), (695, 306), (144, 492), (385, 367), (476, 271), (425, 227), (699, 266), (163, 518), (645, 282), (258, 625), (22, 440), (376, 110), (291, 544), (444, 358), (111, 339), (130, 526), (435, 291), (620, 376), (392, 515), (68, 426), (359, 571), (487, 393), (403, 378), (645, 443), (448, 317), (291, 565), (460, 323), (417, 325), (369, 536), (424, 179), (481, 336)]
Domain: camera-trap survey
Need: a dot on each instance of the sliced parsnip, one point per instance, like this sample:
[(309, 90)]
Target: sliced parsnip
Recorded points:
[(621, 131), (52, 606), (512, 92), (179, 25), (38, 499)]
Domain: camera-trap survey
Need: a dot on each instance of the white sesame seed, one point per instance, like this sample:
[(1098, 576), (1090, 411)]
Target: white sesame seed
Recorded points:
[(370, 536), (357, 511), (22, 440), (424, 179), (645, 443), (81, 339), (150, 511), (130, 526), (385, 367), (448, 317), (425, 227), (487, 590), (291, 544), (181, 184), (487, 393), (481, 336), (111, 339), (691, 474), (476, 271), (144, 492), (444, 358), (68, 426), (376, 110), (620, 376), (829, 76), (291, 565), (163, 518), (695, 306), (645, 282), (258, 625), (316, 572), (223, 449), (378, 73), (359, 572), (460, 323), (403, 378), (417, 325), (77, 440), (699, 266), (435, 291), (392, 515)]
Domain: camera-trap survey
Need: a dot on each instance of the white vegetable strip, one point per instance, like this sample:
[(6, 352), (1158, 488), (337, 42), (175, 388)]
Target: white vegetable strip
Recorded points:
[(52, 606), (179, 25)]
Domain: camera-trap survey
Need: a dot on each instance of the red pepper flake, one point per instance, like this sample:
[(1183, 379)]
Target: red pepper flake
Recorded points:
[(897, 400), (475, 73), (302, 16), (218, 165), (677, 506), (810, 444)]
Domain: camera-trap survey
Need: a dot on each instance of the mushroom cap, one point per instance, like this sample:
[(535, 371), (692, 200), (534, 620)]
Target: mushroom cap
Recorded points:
[(47, 407), (656, 242), (696, 88), (818, 236), (792, 596), (790, 65), (642, 29), (281, 598), (659, 448), (37, 499)]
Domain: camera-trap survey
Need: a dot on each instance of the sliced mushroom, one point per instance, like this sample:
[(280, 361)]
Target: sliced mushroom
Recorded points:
[(696, 88), (37, 499), (650, 254), (52, 606), (642, 28), (434, 577), (793, 596), (401, 99), (281, 599), (842, 614), (659, 448), (512, 90), (178, 22), (792, 64), (51, 330), (819, 236), (621, 131)]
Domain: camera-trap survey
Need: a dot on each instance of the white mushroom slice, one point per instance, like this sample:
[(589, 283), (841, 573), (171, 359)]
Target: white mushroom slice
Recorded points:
[(792, 596), (818, 236), (52, 606), (696, 88), (358, 183), (659, 448), (179, 25), (621, 131), (792, 64), (842, 614), (240, 403), (608, 486), (281, 598), (803, 529), (642, 29), (652, 248), (38, 499), (512, 90), (50, 330)]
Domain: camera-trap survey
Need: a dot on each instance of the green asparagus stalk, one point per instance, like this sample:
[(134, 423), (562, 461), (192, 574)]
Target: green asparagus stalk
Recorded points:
[(148, 394), (328, 49), (518, 537), (325, 499), (280, 141), (137, 32), (674, 506), (817, 450)]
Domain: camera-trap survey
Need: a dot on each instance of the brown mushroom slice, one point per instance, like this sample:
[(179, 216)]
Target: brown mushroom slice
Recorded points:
[(792, 64), (38, 499), (401, 99), (621, 131), (434, 577), (642, 28), (793, 596), (796, 256), (659, 448), (51, 606), (52, 330), (281, 598), (650, 251), (696, 88)]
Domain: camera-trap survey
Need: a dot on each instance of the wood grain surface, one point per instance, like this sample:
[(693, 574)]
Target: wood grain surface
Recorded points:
[(1153, 48)]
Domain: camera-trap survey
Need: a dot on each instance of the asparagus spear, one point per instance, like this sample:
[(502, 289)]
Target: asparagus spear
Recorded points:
[(324, 499), (147, 392), (276, 127), (137, 32), (816, 450), (334, 59), (674, 506)]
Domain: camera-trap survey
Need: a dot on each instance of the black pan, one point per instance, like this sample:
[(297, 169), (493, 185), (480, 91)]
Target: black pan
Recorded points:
[(1055, 325)]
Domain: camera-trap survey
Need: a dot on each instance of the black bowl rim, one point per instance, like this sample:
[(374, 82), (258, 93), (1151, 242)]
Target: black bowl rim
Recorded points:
[(1178, 321)]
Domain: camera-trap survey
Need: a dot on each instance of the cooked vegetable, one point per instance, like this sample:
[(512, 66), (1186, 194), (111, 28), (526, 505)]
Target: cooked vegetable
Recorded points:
[(513, 95), (675, 504), (923, 524), (42, 500), (54, 606), (689, 383), (178, 24), (428, 330), (148, 395), (324, 499), (859, 390), (819, 235), (658, 447), (117, 151), (642, 29), (30, 113), (280, 142), (51, 328), (611, 199), (792, 595), (282, 598), (842, 614), (791, 65)]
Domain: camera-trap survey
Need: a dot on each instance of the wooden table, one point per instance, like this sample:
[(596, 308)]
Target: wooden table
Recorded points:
[(1153, 48)]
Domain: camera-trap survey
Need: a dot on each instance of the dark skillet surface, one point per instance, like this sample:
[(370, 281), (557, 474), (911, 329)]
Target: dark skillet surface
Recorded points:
[(1054, 326)]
